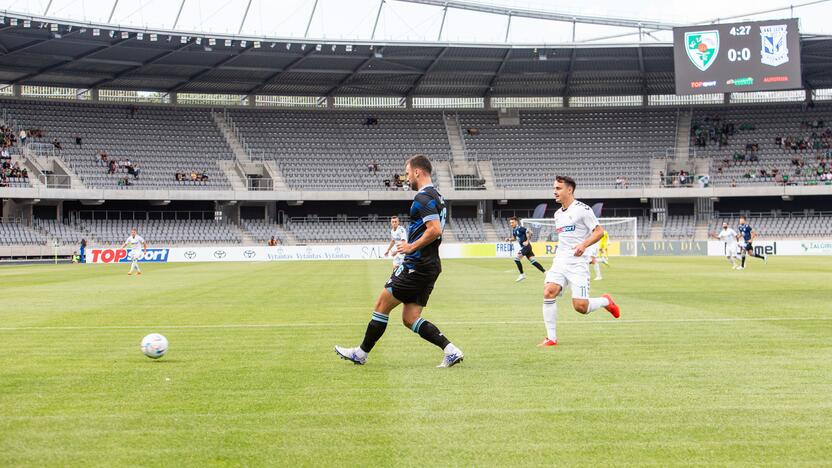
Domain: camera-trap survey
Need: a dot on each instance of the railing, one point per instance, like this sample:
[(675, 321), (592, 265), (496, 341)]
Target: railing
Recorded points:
[(116, 215), (55, 180), (344, 219), (259, 184), (767, 214)]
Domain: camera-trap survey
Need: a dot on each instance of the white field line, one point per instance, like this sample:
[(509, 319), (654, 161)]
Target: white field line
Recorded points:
[(482, 322)]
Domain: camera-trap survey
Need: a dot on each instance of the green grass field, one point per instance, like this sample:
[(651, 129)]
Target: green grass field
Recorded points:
[(706, 366)]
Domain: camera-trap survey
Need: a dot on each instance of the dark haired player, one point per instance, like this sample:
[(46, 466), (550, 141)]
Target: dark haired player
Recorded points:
[(748, 236), (577, 229), (521, 235), (412, 282)]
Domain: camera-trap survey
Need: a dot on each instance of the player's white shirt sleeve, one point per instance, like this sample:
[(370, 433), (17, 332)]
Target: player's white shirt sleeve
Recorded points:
[(729, 236)]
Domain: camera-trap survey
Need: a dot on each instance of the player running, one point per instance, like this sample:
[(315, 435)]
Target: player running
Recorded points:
[(748, 236), (729, 238), (412, 282), (397, 235), (138, 246), (577, 229), (521, 235)]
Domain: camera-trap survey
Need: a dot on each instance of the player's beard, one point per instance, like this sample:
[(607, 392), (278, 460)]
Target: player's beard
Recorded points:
[(413, 185)]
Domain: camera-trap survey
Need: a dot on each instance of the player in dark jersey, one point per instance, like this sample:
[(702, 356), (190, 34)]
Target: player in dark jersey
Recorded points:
[(521, 235), (747, 234), (412, 282)]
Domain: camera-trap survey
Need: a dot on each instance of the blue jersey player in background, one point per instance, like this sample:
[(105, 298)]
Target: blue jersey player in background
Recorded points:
[(747, 236), (521, 235), (412, 282)]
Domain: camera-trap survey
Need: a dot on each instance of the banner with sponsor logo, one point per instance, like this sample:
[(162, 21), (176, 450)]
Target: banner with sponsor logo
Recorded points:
[(779, 247), (317, 252), (120, 256)]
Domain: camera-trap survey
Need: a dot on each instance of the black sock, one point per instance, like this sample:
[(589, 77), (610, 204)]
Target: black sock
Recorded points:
[(743, 261), (429, 332), (519, 266), (374, 331), (761, 257), (538, 265)]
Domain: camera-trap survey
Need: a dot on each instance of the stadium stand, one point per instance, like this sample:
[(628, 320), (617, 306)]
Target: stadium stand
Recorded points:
[(15, 233), (785, 225), (757, 138), (679, 227), (261, 230), (159, 232), (331, 150), (65, 234), (467, 229), (312, 229), (161, 141), (594, 146)]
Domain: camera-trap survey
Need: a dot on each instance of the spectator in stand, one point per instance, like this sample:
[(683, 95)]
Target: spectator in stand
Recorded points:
[(22, 137), (619, 182), (78, 141), (272, 242), (661, 178), (57, 144), (112, 166), (103, 159)]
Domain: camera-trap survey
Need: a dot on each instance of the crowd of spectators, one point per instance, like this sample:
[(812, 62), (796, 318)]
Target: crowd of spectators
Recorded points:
[(397, 182), (115, 166), (194, 176), (712, 130)]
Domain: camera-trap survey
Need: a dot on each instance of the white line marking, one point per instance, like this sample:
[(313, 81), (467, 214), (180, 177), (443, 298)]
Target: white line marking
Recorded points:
[(485, 322)]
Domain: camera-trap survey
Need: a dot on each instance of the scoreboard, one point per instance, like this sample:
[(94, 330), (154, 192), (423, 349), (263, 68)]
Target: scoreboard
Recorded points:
[(725, 58)]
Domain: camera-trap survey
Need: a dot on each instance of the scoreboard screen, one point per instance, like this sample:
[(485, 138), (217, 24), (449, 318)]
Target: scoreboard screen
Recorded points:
[(725, 58)]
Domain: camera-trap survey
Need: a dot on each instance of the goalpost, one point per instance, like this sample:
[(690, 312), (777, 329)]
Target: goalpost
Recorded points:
[(621, 230)]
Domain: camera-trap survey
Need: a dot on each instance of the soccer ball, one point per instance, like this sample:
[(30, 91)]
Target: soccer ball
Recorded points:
[(154, 345)]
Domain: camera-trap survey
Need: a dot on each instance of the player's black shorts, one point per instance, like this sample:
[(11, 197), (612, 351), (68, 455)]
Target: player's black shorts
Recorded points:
[(749, 247), (411, 286), (526, 251)]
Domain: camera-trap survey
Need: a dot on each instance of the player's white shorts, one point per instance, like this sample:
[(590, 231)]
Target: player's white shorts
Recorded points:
[(592, 250), (573, 275), (732, 250), (135, 255), (398, 260)]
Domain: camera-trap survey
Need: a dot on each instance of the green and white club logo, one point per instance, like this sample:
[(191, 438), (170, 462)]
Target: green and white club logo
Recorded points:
[(702, 48)]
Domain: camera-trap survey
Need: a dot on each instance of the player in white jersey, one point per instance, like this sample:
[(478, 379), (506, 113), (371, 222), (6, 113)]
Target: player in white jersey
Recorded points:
[(732, 248), (592, 253), (137, 246), (578, 230), (398, 235)]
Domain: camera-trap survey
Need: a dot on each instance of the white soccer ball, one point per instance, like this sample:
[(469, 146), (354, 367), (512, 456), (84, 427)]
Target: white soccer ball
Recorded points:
[(154, 345)]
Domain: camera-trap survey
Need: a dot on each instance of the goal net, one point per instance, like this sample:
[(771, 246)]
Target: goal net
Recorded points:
[(623, 232)]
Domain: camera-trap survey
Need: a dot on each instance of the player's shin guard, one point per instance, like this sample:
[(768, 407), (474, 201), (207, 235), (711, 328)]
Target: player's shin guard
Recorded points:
[(374, 331), (429, 332), (743, 261), (550, 318), (596, 303), (519, 265), (538, 265)]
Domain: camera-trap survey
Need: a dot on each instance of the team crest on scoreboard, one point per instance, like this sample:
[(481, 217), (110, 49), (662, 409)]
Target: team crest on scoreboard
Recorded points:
[(775, 50), (702, 48)]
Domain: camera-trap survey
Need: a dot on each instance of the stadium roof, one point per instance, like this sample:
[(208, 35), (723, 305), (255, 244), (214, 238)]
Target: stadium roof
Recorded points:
[(51, 52)]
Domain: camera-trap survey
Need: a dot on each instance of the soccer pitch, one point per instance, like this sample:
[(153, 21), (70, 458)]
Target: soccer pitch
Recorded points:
[(706, 366)]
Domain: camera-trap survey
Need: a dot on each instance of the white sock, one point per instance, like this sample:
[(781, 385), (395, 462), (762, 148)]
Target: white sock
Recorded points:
[(597, 270), (597, 302), (550, 318), (360, 353), (450, 349)]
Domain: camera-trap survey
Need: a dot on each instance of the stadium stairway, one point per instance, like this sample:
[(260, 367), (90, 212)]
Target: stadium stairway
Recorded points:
[(278, 182), (246, 237), (656, 231), (455, 138), (229, 169), (490, 233), (442, 169), (486, 169), (230, 136), (288, 235), (683, 122)]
